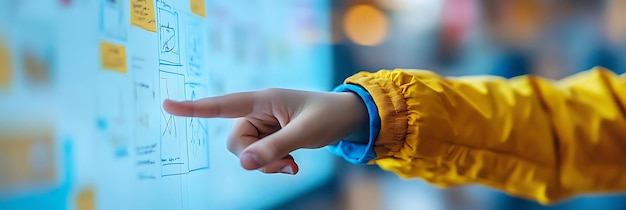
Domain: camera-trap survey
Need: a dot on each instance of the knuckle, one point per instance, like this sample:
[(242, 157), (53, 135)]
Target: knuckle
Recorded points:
[(270, 92), (232, 146)]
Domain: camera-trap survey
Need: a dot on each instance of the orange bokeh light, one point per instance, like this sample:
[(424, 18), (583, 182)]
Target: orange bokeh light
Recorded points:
[(365, 25)]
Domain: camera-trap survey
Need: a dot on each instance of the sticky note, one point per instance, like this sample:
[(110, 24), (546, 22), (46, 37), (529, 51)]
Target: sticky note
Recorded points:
[(113, 57), (198, 7), (6, 74), (27, 158), (86, 199), (142, 14)]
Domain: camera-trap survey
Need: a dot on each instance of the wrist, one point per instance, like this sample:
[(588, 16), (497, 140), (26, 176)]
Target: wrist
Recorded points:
[(358, 119), (357, 146)]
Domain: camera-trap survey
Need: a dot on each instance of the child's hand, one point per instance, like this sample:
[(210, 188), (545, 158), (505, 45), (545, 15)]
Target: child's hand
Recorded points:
[(275, 122)]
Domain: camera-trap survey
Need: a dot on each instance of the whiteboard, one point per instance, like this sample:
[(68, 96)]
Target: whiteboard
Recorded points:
[(81, 87)]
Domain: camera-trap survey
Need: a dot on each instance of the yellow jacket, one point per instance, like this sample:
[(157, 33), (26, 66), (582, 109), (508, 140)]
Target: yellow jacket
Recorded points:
[(528, 136)]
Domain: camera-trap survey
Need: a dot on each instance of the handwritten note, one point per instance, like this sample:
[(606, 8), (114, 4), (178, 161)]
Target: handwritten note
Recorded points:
[(5, 66), (142, 14), (198, 7), (113, 57)]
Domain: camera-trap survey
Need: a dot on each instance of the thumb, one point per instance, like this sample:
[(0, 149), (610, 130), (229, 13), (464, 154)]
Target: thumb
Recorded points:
[(271, 148)]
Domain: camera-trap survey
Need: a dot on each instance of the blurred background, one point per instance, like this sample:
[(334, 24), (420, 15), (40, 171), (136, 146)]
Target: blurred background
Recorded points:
[(508, 38), (81, 82)]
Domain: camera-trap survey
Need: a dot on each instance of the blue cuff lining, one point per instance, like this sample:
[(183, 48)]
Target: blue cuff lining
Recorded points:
[(355, 152)]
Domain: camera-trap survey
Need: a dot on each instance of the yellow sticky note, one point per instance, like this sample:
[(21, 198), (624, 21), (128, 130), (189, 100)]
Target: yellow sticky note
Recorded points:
[(27, 158), (113, 57), (6, 74), (198, 7), (142, 14), (86, 199)]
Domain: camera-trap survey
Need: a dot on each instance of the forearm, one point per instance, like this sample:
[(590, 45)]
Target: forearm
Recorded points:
[(527, 136)]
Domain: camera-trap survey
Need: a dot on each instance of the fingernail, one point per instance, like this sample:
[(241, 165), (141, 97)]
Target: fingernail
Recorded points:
[(287, 170), (252, 159)]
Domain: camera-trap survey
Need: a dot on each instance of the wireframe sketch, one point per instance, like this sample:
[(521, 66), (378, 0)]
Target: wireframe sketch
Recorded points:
[(173, 130), (112, 22), (169, 38), (194, 49), (146, 140), (197, 135)]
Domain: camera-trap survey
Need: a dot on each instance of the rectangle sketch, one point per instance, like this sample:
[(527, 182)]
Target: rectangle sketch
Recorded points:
[(112, 19), (145, 99), (146, 139), (173, 129), (169, 38), (195, 49), (197, 134)]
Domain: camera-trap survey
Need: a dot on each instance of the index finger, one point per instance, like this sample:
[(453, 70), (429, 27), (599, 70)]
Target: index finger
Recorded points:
[(227, 106)]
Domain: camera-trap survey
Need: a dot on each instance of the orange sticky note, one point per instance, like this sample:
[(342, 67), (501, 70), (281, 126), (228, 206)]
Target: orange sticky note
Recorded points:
[(142, 14), (6, 74), (198, 7), (113, 57), (86, 199), (27, 158)]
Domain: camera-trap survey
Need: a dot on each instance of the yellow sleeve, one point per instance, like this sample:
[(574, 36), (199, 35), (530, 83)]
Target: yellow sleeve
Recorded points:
[(528, 136)]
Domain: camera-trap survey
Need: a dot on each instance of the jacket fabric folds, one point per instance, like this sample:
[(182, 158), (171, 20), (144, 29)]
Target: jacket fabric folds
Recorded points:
[(528, 136)]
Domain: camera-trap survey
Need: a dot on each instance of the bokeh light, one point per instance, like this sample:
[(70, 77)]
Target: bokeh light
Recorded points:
[(365, 25)]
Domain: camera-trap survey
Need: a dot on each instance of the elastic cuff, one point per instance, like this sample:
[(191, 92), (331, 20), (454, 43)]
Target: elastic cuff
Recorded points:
[(354, 152)]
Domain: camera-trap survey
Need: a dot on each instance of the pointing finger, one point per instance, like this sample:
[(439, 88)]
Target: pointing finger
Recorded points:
[(227, 106)]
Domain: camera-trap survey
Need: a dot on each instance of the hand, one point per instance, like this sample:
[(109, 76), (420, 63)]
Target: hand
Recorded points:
[(272, 123)]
